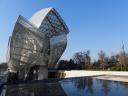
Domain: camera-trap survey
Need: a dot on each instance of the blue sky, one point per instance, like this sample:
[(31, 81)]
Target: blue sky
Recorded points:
[(94, 24)]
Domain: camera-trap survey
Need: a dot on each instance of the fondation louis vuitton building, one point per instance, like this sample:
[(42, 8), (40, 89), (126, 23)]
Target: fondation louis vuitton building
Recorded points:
[(39, 41)]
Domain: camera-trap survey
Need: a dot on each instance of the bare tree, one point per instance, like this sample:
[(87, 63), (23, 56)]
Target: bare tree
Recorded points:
[(79, 58), (87, 60), (102, 59), (126, 59), (83, 59), (123, 60)]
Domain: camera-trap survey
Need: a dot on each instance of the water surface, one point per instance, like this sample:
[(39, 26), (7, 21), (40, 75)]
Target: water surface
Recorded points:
[(83, 86), (93, 87)]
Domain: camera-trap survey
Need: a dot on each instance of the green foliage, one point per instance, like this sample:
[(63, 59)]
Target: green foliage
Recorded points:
[(115, 68), (119, 68)]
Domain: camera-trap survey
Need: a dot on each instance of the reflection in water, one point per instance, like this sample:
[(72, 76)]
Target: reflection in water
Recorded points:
[(80, 83), (87, 86), (106, 87), (83, 86), (90, 86), (84, 83), (38, 89)]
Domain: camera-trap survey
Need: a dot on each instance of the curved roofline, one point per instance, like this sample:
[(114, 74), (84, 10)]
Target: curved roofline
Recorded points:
[(39, 17)]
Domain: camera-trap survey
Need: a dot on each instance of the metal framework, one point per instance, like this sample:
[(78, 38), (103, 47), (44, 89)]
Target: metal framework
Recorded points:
[(41, 40)]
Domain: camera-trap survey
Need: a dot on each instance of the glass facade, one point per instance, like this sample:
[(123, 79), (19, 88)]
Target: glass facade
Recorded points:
[(41, 40)]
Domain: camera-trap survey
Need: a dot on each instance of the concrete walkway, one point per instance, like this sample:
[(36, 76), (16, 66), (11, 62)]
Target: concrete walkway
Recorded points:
[(113, 78), (106, 75)]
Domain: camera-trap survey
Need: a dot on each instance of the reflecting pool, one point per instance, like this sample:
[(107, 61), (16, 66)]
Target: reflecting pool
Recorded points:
[(83, 86), (93, 87)]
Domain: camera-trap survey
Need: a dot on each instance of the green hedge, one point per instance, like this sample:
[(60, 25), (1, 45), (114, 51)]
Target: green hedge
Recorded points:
[(118, 68)]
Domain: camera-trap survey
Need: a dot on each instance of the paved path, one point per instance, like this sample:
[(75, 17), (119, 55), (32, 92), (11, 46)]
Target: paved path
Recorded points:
[(80, 73), (113, 77)]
